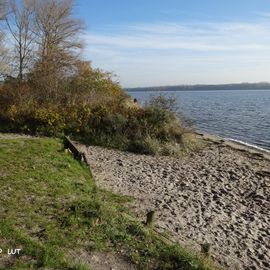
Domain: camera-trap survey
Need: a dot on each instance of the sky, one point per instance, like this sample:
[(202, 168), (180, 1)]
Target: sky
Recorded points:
[(172, 42)]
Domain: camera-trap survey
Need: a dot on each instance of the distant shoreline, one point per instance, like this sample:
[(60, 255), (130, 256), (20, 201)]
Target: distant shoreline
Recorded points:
[(203, 87)]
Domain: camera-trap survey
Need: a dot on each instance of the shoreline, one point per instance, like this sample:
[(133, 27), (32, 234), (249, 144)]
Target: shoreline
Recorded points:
[(219, 195), (235, 144)]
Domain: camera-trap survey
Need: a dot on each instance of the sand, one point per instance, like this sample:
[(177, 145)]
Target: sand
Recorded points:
[(218, 195)]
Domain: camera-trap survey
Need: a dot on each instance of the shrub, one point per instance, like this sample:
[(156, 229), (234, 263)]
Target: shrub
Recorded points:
[(163, 102), (94, 112), (146, 146), (172, 149)]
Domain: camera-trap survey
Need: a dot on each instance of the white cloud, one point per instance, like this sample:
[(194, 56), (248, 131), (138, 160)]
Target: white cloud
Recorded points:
[(153, 54)]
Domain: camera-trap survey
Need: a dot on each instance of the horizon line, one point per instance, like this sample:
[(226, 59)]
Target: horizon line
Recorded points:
[(197, 84)]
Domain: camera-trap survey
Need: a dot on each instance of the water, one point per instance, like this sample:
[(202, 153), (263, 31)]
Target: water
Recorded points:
[(242, 115)]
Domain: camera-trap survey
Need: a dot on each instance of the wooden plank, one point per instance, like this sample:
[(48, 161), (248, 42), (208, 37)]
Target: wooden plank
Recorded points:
[(73, 149)]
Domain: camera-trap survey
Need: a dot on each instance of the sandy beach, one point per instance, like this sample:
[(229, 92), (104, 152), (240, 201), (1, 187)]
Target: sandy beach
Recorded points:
[(218, 195)]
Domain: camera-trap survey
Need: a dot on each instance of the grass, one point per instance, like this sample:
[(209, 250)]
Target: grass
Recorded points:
[(51, 208)]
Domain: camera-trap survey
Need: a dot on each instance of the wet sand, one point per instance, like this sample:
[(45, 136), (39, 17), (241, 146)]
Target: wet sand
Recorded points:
[(219, 194)]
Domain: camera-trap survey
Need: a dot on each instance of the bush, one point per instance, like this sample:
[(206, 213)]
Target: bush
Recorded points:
[(95, 112), (172, 149), (146, 146), (163, 102)]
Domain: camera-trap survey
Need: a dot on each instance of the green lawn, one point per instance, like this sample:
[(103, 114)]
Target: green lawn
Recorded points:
[(50, 205)]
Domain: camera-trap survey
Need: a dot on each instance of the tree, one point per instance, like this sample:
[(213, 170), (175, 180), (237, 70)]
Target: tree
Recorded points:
[(56, 35), (3, 49), (56, 31), (19, 21), (3, 56), (92, 83), (3, 9)]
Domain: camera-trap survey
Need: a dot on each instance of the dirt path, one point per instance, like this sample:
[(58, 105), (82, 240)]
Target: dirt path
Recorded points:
[(218, 195)]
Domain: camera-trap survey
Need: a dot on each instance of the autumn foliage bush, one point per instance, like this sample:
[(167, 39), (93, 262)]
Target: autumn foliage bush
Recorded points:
[(89, 106)]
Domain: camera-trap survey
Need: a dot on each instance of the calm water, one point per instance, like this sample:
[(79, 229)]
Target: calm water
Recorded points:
[(240, 115)]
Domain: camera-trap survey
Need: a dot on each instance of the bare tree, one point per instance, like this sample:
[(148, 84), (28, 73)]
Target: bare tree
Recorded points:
[(56, 29), (19, 21), (3, 49), (3, 56), (56, 32), (3, 5)]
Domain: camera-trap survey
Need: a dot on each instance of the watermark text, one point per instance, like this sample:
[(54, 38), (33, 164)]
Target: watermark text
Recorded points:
[(11, 251)]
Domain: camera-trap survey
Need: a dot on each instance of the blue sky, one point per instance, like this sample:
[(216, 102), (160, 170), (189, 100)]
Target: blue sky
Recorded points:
[(169, 42)]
